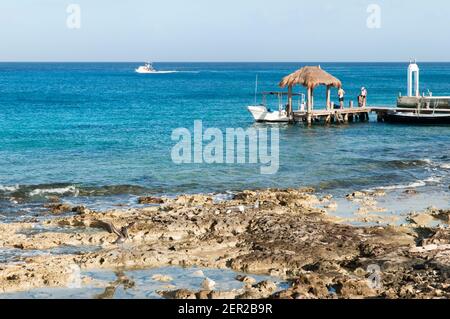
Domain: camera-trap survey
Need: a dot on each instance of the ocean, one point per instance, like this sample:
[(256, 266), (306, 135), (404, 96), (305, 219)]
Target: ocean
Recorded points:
[(100, 134)]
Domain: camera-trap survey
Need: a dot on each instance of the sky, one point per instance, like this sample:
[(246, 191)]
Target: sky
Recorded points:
[(231, 30)]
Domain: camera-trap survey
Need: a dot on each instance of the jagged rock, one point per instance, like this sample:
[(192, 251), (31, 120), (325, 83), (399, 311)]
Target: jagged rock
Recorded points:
[(443, 215), (150, 200), (261, 290), (423, 219), (203, 294), (59, 208), (310, 286), (81, 210), (208, 284), (249, 294), (53, 199), (356, 195), (354, 288), (246, 279), (438, 237), (266, 287), (177, 294), (327, 198), (371, 249), (221, 295)]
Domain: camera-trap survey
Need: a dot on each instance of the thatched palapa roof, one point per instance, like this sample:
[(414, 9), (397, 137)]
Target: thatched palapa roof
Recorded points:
[(310, 77)]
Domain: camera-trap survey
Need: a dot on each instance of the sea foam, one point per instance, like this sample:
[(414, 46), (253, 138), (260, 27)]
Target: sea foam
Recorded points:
[(9, 188), (58, 190)]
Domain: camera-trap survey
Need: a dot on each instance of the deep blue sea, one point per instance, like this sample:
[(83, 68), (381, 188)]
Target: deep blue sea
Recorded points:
[(100, 131)]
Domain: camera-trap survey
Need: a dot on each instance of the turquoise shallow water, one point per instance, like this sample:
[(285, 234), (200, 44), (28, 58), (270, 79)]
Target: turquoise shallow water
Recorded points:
[(102, 132)]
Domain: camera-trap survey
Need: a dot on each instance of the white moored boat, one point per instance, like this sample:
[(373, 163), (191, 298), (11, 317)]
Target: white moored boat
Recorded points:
[(262, 113)]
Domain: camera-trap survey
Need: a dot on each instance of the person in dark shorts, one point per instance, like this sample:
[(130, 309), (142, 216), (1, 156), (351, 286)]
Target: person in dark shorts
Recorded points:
[(360, 101)]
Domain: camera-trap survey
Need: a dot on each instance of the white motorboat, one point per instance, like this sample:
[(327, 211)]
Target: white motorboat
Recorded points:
[(149, 69), (146, 69), (262, 113)]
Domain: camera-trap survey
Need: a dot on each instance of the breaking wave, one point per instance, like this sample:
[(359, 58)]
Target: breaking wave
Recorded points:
[(416, 184), (8, 188), (25, 193), (402, 186), (69, 190)]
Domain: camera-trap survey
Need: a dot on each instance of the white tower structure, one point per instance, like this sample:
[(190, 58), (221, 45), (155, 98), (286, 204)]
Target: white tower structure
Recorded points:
[(413, 79)]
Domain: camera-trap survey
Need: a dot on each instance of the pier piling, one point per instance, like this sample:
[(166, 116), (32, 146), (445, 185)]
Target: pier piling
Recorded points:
[(327, 116)]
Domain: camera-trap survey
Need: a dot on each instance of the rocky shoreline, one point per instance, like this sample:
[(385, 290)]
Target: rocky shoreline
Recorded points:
[(283, 233)]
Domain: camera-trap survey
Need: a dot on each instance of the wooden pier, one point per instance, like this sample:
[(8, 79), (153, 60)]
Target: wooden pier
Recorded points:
[(338, 116), (311, 77), (355, 114)]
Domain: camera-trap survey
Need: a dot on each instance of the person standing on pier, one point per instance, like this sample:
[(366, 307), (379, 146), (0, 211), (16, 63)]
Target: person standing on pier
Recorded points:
[(360, 101), (364, 96), (341, 95)]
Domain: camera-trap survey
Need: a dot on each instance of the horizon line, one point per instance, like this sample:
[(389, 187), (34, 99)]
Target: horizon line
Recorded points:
[(214, 61)]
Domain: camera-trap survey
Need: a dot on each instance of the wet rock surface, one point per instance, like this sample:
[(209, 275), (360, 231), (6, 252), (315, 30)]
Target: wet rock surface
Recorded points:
[(273, 232)]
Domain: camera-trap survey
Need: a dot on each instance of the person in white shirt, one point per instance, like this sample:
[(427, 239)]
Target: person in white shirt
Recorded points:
[(341, 95), (364, 96)]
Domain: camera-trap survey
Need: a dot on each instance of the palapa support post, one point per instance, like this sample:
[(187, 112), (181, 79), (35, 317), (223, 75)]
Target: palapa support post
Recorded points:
[(309, 110), (290, 109), (328, 97)]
